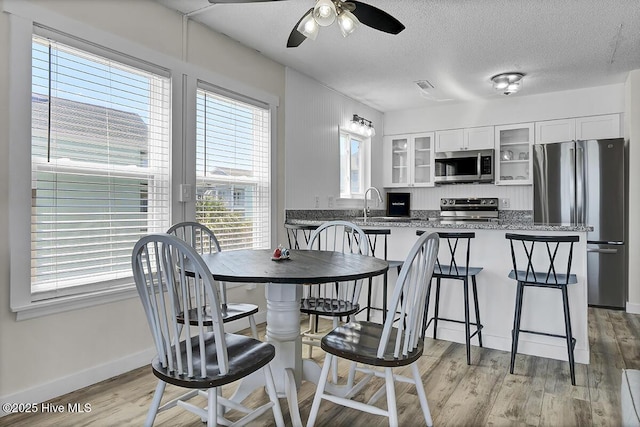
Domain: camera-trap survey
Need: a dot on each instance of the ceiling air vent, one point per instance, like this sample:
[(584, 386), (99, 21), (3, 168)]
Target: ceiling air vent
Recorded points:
[(428, 91), (425, 85)]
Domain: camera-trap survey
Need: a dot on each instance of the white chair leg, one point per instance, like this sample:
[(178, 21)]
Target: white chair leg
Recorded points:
[(352, 374), (273, 397), (391, 397), (254, 328), (155, 403), (421, 394), (212, 406), (334, 376), (312, 324), (322, 382)]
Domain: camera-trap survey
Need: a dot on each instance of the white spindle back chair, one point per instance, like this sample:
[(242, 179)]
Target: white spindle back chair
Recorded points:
[(382, 347), (336, 300), (191, 353), (204, 241)]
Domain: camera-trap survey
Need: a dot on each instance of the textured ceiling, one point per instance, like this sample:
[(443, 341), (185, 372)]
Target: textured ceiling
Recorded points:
[(456, 45)]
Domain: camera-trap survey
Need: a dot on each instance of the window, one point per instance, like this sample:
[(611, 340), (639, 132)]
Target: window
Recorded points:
[(353, 170), (233, 140), (100, 146)]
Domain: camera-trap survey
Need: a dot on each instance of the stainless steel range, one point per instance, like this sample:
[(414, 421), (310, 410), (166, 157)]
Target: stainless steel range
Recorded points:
[(469, 210)]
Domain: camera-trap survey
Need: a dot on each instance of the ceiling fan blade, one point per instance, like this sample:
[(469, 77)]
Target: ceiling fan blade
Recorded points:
[(376, 18), (239, 1), (296, 37)]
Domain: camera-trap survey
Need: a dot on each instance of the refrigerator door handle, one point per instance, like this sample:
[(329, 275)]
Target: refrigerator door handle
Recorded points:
[(603, 251), (479, 166), (580, 186), (572, 200)]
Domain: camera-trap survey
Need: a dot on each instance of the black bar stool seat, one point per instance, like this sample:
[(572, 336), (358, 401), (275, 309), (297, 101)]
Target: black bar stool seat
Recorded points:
[(537, 266), (298, 235), (459, 245)]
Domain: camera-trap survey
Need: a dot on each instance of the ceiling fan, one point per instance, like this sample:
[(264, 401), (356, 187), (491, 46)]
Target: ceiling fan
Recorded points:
[(348, 13)]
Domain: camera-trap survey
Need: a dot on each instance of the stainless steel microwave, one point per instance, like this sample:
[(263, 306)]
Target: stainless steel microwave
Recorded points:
[(464, 166)]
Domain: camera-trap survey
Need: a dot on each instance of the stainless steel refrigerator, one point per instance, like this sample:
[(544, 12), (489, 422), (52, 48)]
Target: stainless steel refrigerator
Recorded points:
[(583, 182)]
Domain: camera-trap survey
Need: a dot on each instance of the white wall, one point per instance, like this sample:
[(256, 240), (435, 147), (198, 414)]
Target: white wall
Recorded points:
[(632, 132), (47, 356), (314, 113)]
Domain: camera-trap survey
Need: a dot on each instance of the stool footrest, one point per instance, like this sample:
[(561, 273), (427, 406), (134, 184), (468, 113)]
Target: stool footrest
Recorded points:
[(478, 327), (573, 340)]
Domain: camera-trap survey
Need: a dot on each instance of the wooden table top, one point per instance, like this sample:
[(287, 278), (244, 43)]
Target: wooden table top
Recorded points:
[(304, 266)]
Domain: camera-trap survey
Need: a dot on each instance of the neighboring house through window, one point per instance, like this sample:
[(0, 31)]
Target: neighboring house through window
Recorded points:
[(100, 149)]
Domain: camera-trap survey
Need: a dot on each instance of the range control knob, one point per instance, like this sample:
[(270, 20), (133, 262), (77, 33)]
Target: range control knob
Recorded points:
[(483, 202), (443, 202), (451, 201), (492, 202)]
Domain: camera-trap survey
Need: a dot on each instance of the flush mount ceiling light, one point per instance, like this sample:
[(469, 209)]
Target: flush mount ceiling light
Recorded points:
[(362, 126), (507, 83)]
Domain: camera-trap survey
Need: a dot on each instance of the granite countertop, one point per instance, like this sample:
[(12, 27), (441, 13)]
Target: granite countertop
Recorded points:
[(501, 224)]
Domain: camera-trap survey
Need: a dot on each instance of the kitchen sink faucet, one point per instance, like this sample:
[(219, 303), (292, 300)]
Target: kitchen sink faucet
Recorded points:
[(366, 208)]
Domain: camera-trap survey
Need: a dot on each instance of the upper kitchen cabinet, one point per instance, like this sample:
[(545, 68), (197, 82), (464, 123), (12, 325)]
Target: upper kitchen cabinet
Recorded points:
[(581, 128), (480, 138), (513, 145), (598, 127), (409, 160)]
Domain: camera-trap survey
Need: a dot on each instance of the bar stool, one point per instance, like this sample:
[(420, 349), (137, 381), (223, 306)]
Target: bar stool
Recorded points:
[(546, 277), (457, 271), (297, 231), (372, 237)]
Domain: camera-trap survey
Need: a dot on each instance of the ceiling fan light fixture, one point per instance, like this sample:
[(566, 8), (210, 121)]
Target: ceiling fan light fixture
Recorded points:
[(324, 12), (347, 22), (308, 26), (507, 83)]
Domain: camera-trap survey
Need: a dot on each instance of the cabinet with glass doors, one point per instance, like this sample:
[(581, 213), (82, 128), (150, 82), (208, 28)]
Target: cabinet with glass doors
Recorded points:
[(409, 160)]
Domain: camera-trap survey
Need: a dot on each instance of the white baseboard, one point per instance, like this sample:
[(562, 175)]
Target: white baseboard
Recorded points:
[(633, 308), (47, 391), (50, 390)]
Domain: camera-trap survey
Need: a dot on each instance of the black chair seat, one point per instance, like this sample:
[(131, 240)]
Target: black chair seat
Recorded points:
[(444, 271), (234, 311), (246, 355), (543, 278), (328, 307), (358, 341)]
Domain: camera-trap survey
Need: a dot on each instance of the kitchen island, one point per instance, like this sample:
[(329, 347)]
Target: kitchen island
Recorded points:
[(542, 308)]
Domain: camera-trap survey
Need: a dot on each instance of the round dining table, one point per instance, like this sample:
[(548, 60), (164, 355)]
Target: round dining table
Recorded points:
[(284, 279)]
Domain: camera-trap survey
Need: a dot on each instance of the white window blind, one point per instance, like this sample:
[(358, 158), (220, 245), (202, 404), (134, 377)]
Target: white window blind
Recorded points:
[(232, 170), (100, 167)]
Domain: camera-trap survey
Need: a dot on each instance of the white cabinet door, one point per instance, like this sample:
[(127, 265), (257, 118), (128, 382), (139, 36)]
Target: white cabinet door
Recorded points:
[(423, 160), (555, 131), (513, 158), (450, 140), (409, 160), (481, 138), (396, 161), (598, 127)]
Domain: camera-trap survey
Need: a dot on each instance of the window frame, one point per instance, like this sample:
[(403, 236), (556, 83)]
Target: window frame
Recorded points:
[(215, 90), (23, 16), (112, 280), (365, 164)]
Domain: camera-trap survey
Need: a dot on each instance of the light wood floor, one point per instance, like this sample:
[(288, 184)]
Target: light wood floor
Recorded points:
[(484, 393)]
